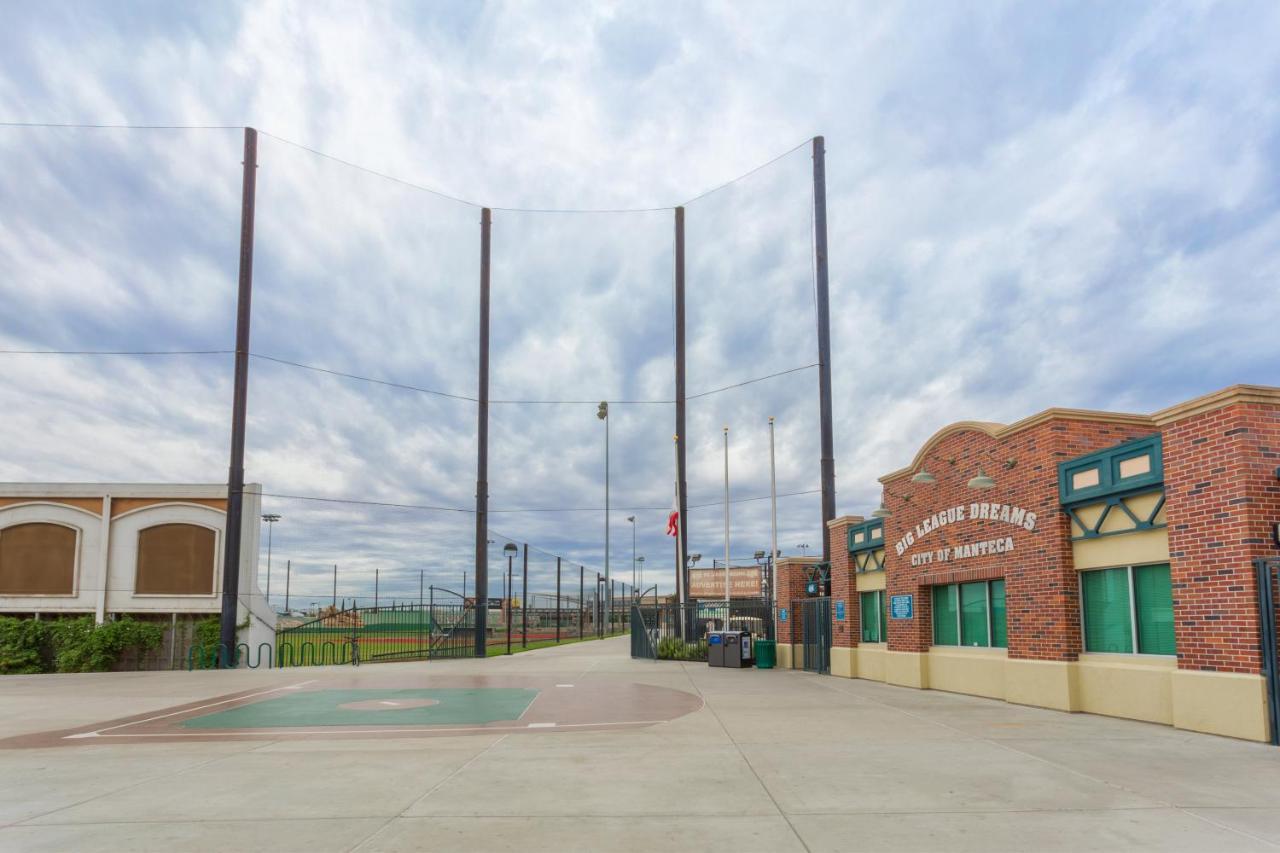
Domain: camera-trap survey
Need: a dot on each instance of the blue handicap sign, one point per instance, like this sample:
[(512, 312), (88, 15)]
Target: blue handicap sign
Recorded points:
[(782, 615), (901, 607), (839, 610)]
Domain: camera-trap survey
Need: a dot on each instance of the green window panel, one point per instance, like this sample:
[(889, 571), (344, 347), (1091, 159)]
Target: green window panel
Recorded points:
[(1107, 615), (871, 625), (973, 614), (999, 622), (1153, 599), (945, 616)]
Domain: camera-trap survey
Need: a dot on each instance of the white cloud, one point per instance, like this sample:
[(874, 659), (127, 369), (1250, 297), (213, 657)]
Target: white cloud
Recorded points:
[(1029, 206)]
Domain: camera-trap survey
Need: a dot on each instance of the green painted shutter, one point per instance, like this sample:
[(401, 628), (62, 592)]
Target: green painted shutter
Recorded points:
[(999, 622), (870, 617), (1106, 611), (944, 616), (1153, 592), (884, 621), (973, 614)]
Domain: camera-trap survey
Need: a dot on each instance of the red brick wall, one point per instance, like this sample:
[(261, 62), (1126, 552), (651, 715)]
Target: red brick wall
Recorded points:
[(1041, 587), (1221, 496), (844, 632), (793, 572)]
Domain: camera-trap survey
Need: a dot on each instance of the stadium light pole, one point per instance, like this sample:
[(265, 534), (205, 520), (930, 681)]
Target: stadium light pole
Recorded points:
[(270, 518), (822, 300), (239, 398), (482, 446)]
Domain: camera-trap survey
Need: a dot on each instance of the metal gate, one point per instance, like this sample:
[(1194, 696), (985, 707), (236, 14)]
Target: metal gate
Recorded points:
[(371, 634), (1268, 588), (643, 644), (815, 616)]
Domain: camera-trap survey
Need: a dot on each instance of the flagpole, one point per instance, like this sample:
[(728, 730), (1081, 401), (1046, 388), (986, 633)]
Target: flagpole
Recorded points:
[(726, 523)]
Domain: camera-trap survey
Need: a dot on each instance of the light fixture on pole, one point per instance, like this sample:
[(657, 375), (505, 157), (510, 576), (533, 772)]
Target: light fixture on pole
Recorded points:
[(510, 550), (726, 516), (773, 530), (602, 412), (270, 518), (632, 519), (804, 549)]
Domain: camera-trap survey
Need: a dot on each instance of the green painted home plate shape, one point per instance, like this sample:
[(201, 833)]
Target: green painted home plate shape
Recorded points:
[(440, 706)]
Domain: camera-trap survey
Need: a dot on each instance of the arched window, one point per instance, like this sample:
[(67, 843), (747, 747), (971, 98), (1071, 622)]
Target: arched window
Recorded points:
[(175, 559), (37, 559)]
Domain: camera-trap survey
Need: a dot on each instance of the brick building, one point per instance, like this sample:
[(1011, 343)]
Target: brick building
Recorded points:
[(1077, 560)]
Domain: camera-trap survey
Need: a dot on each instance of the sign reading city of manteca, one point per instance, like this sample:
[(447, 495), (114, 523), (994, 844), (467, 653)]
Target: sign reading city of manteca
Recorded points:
[(744, 582), (1014, 515)]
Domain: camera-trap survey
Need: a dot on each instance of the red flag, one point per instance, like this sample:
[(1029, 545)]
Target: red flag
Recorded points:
[(673, 520)]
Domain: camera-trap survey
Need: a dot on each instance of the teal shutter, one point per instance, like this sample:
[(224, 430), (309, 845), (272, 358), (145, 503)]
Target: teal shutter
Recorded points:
[(870, 617), (973, 614), (1153, 592), (944, 616), (884, 620), (999, 622), (1106, 611)]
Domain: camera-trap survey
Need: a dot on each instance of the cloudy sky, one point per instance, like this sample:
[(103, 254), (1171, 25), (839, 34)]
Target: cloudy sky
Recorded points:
[(1030, 205)]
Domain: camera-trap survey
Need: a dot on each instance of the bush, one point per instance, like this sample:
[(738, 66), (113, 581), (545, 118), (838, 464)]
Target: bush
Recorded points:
[(674, 648), (24, 646), (81, 646)]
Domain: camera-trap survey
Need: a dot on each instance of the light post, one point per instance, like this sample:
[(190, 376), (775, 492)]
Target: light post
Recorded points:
[(804, 549), (602, 412), (270, 518), (510, 550), (632, 519)]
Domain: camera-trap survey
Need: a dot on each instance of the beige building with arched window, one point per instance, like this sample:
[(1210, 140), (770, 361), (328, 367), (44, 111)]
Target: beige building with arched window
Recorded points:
[(138, 549)]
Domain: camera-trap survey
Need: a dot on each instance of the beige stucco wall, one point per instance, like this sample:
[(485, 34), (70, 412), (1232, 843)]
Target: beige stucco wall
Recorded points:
[(869, 659), (1136, 687), (977, 672), (870, 581), (1221, 703), (1127, 549), (907, 669), (843, 662), (1042, 683)]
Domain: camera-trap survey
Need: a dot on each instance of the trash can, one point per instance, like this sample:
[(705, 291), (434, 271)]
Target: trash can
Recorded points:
[(737, 649), (766, 654), (715, 648), (732, 649)]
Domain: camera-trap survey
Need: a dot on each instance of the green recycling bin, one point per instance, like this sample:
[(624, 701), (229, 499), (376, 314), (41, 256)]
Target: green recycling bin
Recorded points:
[(766, 654)]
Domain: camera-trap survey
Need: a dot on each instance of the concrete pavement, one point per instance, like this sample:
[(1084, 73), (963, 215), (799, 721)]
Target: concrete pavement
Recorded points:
[(774, 761)]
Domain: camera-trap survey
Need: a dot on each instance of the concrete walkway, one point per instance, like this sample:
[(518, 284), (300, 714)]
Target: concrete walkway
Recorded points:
[(774, 761)]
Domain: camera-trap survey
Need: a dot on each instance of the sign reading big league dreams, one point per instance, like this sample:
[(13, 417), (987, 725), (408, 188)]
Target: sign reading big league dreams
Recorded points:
[(1013, 515)]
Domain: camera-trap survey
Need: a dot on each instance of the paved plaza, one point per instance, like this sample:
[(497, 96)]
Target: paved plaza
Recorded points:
[(582, 748)]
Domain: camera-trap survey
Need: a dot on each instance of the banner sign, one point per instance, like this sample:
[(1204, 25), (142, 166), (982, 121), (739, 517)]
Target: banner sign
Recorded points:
[(744, 582)]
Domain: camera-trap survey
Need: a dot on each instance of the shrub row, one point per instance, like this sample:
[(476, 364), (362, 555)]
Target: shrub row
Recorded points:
[(674, 648), (71, 645)]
